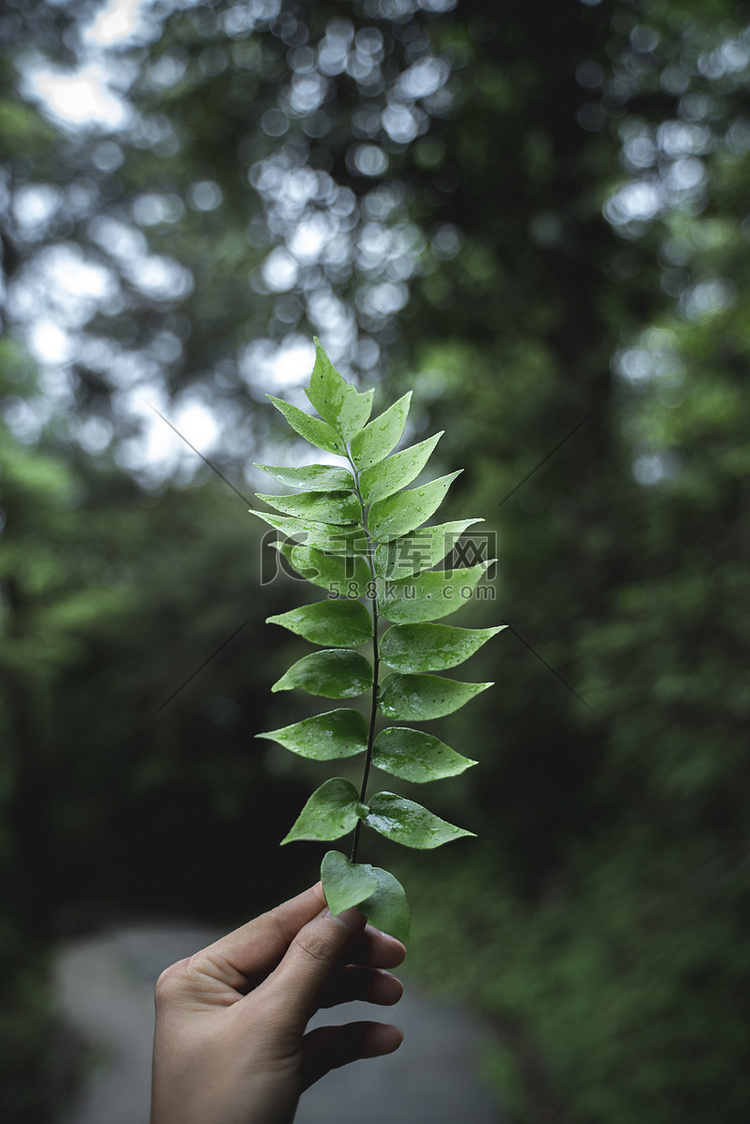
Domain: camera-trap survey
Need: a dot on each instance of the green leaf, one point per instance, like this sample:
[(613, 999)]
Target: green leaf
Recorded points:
[(387, 909), (343, 540), (337, 624), (332, 811), (324, 507), (332, 673), (418, 698), (408, 823), (341, 576), (308, 569), (390, 476), (432, 647), (382, 434), (345, 883), (429, 596), (336, 400), (416, 756), (397, 515), (337, 733), (319, 477), (420, 550), (317, 432)]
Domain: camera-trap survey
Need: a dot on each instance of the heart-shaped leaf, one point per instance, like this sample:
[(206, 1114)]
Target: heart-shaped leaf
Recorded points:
[(420, 550), (336, 400), (338, 733), (323, 507), (387, 909), (419, 698), (332, 811), (430, 596), (381, 435), (345, 883), (408, 823), (416, 756), (333, 673), (317, 432), (377, 894), (317, 477), (399, 470), (336, 624), (432, 647), (397, 515)]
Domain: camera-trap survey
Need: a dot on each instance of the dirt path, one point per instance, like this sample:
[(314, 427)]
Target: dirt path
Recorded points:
[(105, 990)]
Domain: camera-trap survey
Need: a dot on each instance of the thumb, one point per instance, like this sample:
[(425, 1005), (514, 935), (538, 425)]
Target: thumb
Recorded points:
[(311, 959)]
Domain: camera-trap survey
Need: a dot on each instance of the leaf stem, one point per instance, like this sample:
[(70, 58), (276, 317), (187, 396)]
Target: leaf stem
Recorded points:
[(375, 655)]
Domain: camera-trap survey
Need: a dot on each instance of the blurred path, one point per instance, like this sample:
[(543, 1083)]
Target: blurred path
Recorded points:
[(105, 990)]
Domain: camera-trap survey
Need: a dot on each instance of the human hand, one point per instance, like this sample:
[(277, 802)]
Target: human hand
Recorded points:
[(230, 1045)]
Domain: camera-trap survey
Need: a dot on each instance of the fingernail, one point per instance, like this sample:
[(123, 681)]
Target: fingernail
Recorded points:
[(351, 919)]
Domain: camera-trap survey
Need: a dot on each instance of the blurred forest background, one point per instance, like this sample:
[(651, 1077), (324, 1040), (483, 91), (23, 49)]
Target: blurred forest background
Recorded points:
[(537, 216)]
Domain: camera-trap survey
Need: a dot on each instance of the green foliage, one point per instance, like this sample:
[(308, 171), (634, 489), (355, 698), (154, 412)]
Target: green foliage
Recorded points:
[(338, 507), (335, 674), (347, 532), (344, 624), (314, 476), (430, 596), (396, 516), (387, 477), (409, 823), (338, 733), (327, 537), (349, 575), (381, 436), (377, 893), (419, 551), (415, 755), (432, 647), (348, 883), (332, 811), (418, 698)]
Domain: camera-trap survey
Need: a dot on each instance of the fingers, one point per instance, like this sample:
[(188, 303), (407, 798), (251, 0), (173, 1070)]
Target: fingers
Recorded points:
[(330, 1047), (244, 957), (370, 985), (257, 947), (314, 955)]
